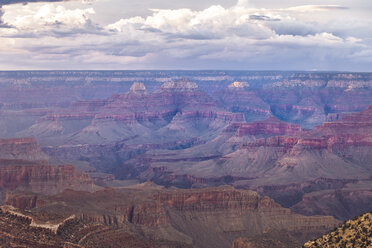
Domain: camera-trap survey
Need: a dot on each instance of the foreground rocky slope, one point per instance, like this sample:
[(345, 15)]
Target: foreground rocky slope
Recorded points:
[(205, 217), (353, 233)]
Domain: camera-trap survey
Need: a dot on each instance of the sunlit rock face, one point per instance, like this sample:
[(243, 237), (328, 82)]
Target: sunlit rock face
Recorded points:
[(138, 88), (238, 85)]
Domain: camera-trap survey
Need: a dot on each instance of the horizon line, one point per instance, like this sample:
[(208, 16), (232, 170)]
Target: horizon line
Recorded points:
[(184, 70)]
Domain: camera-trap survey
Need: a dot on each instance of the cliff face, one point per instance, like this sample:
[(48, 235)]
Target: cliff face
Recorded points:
[(21, 148), (41, 177), (212, 217)]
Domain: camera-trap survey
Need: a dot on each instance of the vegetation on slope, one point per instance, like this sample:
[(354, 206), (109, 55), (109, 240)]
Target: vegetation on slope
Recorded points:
[(352, 233)]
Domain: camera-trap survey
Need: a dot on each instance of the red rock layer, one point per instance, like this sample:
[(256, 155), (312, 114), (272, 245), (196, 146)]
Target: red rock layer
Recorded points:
[(269, 127), (351, 131)]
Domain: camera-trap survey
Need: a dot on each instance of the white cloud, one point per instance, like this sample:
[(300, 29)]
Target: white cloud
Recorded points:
[(40, 17)]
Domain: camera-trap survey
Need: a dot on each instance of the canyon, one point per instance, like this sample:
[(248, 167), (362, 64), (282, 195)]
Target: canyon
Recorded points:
[(175, 158)]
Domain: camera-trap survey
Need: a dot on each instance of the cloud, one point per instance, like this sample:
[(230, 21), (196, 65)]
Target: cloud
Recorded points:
[(7, 2), (48, 20), (312, 8), (57, 35)]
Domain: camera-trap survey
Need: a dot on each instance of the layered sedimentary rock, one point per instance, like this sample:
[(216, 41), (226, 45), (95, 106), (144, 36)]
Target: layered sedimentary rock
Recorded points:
[(206, 218), (269, 127)]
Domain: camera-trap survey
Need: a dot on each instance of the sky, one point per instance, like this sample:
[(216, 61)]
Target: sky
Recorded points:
[(190, 35)]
